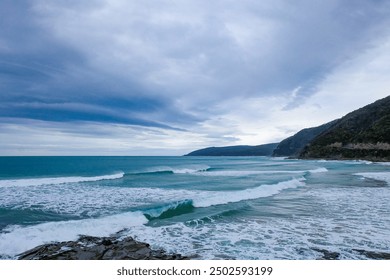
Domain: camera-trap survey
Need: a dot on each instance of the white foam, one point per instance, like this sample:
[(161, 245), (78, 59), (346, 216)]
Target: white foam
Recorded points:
[(344, 161), (19, 239), (238, 173), (85, 200), (187, 170), (355, 161), (383, 163), (365, 161), (332, 218), (278, 158), (381, 176), (56, 180), (211, 198), (91, 201), (180, 170), (319, 170), (228, 173)]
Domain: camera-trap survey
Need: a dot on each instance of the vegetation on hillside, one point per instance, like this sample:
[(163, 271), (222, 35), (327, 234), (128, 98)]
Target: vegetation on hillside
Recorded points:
[(362, 134)]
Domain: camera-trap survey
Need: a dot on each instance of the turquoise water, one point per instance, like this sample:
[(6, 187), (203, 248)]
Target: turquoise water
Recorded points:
[(212, 207)]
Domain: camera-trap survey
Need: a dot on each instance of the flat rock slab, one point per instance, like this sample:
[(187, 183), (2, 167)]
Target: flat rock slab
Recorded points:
[(97, 248)]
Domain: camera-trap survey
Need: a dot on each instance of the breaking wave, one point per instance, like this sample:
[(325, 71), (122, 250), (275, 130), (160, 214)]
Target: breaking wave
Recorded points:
[(380, 176), (170, 210), (171, 170), (57, 180), (218, 198), (319, 170), (212, 198), (239, 173), (16, 239)]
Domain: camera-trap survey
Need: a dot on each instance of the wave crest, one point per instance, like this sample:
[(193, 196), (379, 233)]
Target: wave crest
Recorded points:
[(170, 210), (56, 180), (176, 170), (319, 170), (380, 176), (218, 198)]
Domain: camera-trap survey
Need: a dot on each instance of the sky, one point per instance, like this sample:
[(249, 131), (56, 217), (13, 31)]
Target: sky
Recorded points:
[(165, 77)]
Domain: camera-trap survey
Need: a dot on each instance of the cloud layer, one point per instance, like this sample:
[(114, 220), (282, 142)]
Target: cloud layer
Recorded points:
[(166, 77)]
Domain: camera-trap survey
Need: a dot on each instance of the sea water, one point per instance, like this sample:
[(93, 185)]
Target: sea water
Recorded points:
[(205, 207)]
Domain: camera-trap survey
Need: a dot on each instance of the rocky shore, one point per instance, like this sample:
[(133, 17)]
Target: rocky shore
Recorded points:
[(98, 248)]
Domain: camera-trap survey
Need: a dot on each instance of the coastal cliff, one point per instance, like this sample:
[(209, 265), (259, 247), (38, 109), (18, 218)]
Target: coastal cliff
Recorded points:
[(293, 145), (362, 134)]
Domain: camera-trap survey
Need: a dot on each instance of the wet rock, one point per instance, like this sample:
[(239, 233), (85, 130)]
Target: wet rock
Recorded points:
[(327, 255), (107, 242), (96, 248), (374, 255)]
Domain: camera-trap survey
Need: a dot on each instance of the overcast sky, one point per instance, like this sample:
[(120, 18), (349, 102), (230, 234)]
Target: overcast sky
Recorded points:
[(118, 77)]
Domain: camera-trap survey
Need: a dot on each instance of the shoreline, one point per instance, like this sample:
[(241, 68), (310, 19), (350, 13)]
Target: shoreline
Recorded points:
[(367, 159)]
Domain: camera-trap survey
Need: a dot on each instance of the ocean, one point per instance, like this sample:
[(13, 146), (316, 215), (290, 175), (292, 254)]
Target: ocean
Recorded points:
[(205, 207)]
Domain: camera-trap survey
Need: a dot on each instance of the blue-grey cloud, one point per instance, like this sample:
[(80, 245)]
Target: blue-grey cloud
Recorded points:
[(43, 78)]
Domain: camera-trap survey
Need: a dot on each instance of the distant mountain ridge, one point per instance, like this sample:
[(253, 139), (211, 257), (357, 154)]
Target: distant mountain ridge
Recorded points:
[(260, 150)]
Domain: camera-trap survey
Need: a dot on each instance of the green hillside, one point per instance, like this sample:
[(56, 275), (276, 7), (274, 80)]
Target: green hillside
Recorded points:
[(362, 134), (260, 150)]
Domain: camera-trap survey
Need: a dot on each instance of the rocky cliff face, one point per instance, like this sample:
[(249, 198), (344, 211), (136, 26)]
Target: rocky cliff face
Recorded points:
[(362, 134)]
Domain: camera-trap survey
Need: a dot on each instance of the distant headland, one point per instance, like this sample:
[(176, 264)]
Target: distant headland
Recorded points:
[(363, 134)]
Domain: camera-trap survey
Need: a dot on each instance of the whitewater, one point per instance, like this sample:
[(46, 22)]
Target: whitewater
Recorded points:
[(208, 207)]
